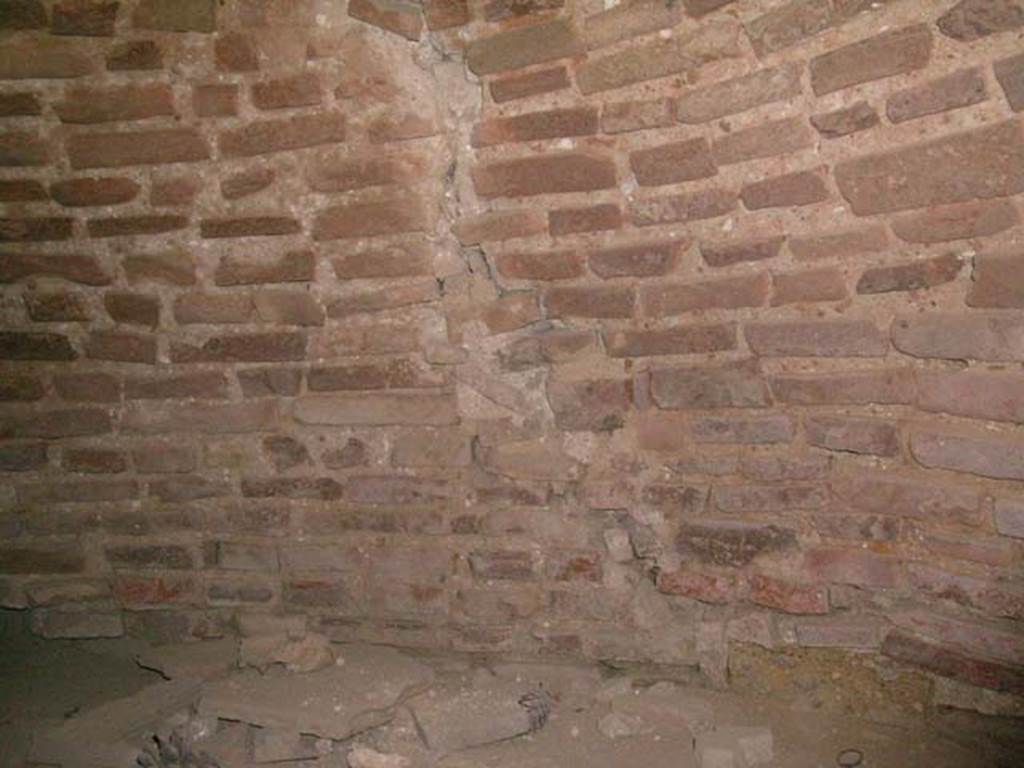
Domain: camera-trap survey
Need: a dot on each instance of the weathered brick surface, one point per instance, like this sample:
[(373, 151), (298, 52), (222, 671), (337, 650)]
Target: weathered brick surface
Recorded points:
[(982, 163), (721, 297)]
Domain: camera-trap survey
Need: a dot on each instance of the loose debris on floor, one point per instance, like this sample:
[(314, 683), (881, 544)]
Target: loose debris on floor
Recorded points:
[(282, 695)]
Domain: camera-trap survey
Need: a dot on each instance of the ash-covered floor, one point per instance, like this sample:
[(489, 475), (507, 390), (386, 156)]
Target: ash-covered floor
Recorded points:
[(294, 699)]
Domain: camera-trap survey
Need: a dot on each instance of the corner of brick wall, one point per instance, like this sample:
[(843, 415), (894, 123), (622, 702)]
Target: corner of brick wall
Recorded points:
[(526, 326)]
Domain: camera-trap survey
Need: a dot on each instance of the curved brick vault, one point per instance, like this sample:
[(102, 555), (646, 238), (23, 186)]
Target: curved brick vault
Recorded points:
[(519, 325)]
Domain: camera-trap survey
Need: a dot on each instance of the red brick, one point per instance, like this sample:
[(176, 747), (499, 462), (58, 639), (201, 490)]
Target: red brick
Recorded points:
[(355, 220), (547, 347), (951, 661), (510, 312), (135, 56), (682, 340), (23, 14), (836, 433), (859, 568), (22, 457), (117, 104), (595, 218), (990, 336), (983, 455), (976, 549), (916, 498), (707, 588), (841, 244), (956, 222), (859, 116), (891, 53), (174, 191), (353, 454), (971, 20), (769, 498), (163, 458), (589, 302), (253, 226), (58, 558), (185, 385), (288, 308), (729, 543), (394, 261), (261, 382), (94, 191), (192, 308), (976, 394), (179, 16), (21, 149), (894, 386), (202, 418), (733, 385), (170, 267), (56, 424), (754, 430), (981, 163), (738, 252), (247, 183), (661, 57), (292, 267), (998, 281), (34, 230), (398, 16), (628, 21), (16, 345), (302, 90), (788, 596), (215, 100), (500, 225), (597, 405), (88, 387), (1010, 74), (522, 46), (911, 277), (740, 94), (243, 348), (268, 136), (393, 374), (647, 260), (791, 189), (78, 492), (789, 24), (827, 284), (564, 172), (93, 460), (672, 163), (668, 299), (536, 126), (20, 104), (114, 150), (624, 116), (445, 14), (133, 308), (129, 226), (771, 468), (20, 388), (548, 265), (683, 208), (821, 338), (960, 89), (235, 52), (121, 347), (74, 268), (530, 84), (21, 191), (698, 8), (43, 59), (320, 488), (378, 408), (777, 137), (1009, 517)]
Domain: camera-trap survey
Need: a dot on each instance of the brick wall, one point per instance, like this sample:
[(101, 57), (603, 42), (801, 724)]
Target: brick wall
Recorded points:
[(520, 325)]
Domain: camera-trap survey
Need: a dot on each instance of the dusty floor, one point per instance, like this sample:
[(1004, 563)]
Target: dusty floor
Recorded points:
[(381, 709)]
